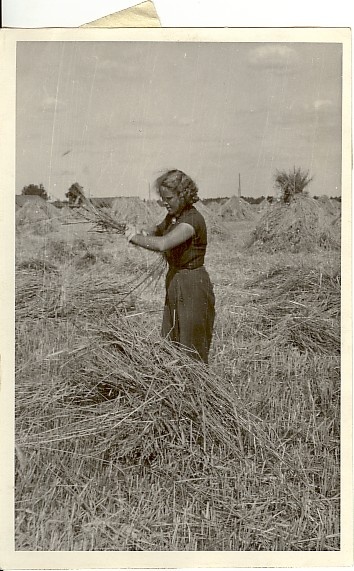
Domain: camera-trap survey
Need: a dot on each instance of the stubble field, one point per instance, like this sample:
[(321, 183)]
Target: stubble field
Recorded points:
[(124, 443)]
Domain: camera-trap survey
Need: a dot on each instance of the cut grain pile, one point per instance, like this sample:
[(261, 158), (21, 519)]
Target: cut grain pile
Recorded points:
[(38, 215), (264, 205), (45, 290), (123, 442), (332, 207), (302, 225), (138, 397), (236, 209), (133, 210), (138, 406), (156, 213), (336, 206), (215, 223), (174, 447), (297, 306)]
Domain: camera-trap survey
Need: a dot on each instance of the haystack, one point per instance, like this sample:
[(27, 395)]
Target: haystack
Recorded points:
[(46, 290), (297, 305), (37, 214), (328, 205), (26, 216), (37, 202), (302, 225), (236, 209), (22, 199), (264, 205), (155, 211), (143, 400), (215, 224), (336, 205), (215, 205), (133, 210)]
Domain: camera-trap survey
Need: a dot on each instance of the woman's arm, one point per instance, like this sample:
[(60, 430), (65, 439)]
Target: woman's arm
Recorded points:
[(177, 236), (147, 230)]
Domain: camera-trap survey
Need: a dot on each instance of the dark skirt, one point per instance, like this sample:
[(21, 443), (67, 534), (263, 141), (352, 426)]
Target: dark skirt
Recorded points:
[(189, 310)]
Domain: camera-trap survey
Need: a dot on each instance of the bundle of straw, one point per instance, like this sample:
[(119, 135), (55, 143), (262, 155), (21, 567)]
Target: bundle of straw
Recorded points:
[(140, 398), (300, 226), (37, 294), (103, 220), (299, 306), (58, 294)]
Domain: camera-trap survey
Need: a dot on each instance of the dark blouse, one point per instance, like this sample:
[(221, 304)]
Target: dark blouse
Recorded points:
[(190, 254)]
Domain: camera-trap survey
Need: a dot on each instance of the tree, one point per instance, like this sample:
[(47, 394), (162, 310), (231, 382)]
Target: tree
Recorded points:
[(291, 183), (75, 194), (35, 190)]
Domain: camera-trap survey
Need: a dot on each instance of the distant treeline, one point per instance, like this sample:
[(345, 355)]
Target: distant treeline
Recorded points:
[(337, 198), (253, 200), (107, 202)]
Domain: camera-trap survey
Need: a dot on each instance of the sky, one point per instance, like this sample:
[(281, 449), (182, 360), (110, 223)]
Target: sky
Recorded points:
[(113, 115)]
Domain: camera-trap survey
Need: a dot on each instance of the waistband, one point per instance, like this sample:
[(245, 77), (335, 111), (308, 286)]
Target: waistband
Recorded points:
[(176, 269)]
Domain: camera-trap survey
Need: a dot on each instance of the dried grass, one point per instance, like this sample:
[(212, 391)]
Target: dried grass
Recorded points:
[(177, 456), (139, 394), (298, 306), (236, 209), (101, 217), (43, 291), (136, 211), (302, 225), (35, 218), (215, 224), (125, 443)]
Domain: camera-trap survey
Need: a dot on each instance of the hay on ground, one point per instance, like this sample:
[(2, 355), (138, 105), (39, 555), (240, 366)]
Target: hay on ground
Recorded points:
[(45, 291), (138, 398), (298, 307)]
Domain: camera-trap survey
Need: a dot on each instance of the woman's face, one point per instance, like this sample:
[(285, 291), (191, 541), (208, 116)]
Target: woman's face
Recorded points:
[(171, 201)]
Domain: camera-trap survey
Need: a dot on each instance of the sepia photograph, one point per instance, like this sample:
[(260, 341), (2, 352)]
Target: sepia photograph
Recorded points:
[(178, 253)]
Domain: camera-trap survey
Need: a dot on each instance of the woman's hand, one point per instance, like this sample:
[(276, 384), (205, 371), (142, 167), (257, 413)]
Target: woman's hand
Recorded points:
[(130, 232), (133, 231)]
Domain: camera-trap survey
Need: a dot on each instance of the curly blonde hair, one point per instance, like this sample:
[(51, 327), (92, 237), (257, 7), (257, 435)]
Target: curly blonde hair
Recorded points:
[(180, 183)]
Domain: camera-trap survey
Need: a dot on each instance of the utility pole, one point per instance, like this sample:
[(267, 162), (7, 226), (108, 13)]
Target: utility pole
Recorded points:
[(239, 185), (149, 193)]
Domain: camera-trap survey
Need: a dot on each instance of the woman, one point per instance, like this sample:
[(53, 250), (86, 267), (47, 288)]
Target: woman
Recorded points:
[(189, 304)]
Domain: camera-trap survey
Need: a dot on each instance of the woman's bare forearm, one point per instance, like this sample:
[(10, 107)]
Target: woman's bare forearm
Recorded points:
[(147, 230), (149, 242), (163, 243)]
